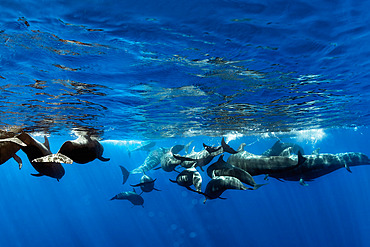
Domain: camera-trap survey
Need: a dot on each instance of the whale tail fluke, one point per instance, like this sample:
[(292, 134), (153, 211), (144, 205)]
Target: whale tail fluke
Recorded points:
[(227, 148)]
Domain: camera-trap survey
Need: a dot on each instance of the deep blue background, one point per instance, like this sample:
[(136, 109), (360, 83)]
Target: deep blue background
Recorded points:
[(331, 211), (144, 70)]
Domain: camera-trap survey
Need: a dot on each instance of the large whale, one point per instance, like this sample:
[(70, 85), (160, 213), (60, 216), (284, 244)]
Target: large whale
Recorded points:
[(34, 150), (321, 164), (258, 164), (82, 150)]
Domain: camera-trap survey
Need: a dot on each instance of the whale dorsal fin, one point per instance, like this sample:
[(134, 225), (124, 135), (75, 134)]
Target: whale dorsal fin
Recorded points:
[(46, 143)]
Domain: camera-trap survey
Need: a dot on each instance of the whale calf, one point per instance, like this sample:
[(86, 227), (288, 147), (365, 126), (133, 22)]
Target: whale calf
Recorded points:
[(218, 185), (131, 196), (146, 184)]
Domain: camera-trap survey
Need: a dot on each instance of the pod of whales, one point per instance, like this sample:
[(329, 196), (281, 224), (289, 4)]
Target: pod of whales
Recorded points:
[(283, 161)]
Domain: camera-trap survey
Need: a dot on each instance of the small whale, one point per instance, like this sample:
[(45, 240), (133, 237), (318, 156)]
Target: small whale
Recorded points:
[(82, 150), (279, 147), (145, 148), (146, 184), (34, 150), (218, 185), (222, 168), (8, 149), (125, 174), (131, 196), (189, 177)]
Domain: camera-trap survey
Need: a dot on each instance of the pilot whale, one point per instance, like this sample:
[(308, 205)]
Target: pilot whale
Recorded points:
[(82, 150), (34, 150), (257, 164), (321, 164), (9, 146), (189, 177)]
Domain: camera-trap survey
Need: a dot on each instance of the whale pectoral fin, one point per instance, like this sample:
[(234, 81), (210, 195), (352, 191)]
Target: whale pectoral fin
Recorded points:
[(103, 159), (19, 161), (302, 182), (135, 185), (37, 175), (266, 177), (347, 167)]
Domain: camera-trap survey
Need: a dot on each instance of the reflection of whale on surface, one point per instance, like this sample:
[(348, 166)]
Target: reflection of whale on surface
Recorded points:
[(9, 145), (34, 150), (318, 165), (82, 150), (146, 184), (257, 164), (145, 147), (279, 147), (131, 196), (189, 177), (222, 168)]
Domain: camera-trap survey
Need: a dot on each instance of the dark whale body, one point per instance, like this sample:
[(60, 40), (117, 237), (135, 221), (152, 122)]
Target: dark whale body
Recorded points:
[(146, 184), (34, 150), (131, 196), (319, 165), (9, 146), (257, 164)]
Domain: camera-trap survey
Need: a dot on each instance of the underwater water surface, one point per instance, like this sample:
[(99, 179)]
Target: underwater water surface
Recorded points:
[(171, 72)]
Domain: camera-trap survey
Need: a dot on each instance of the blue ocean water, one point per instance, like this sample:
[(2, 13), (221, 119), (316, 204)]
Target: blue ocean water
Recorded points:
[(173, 72)]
